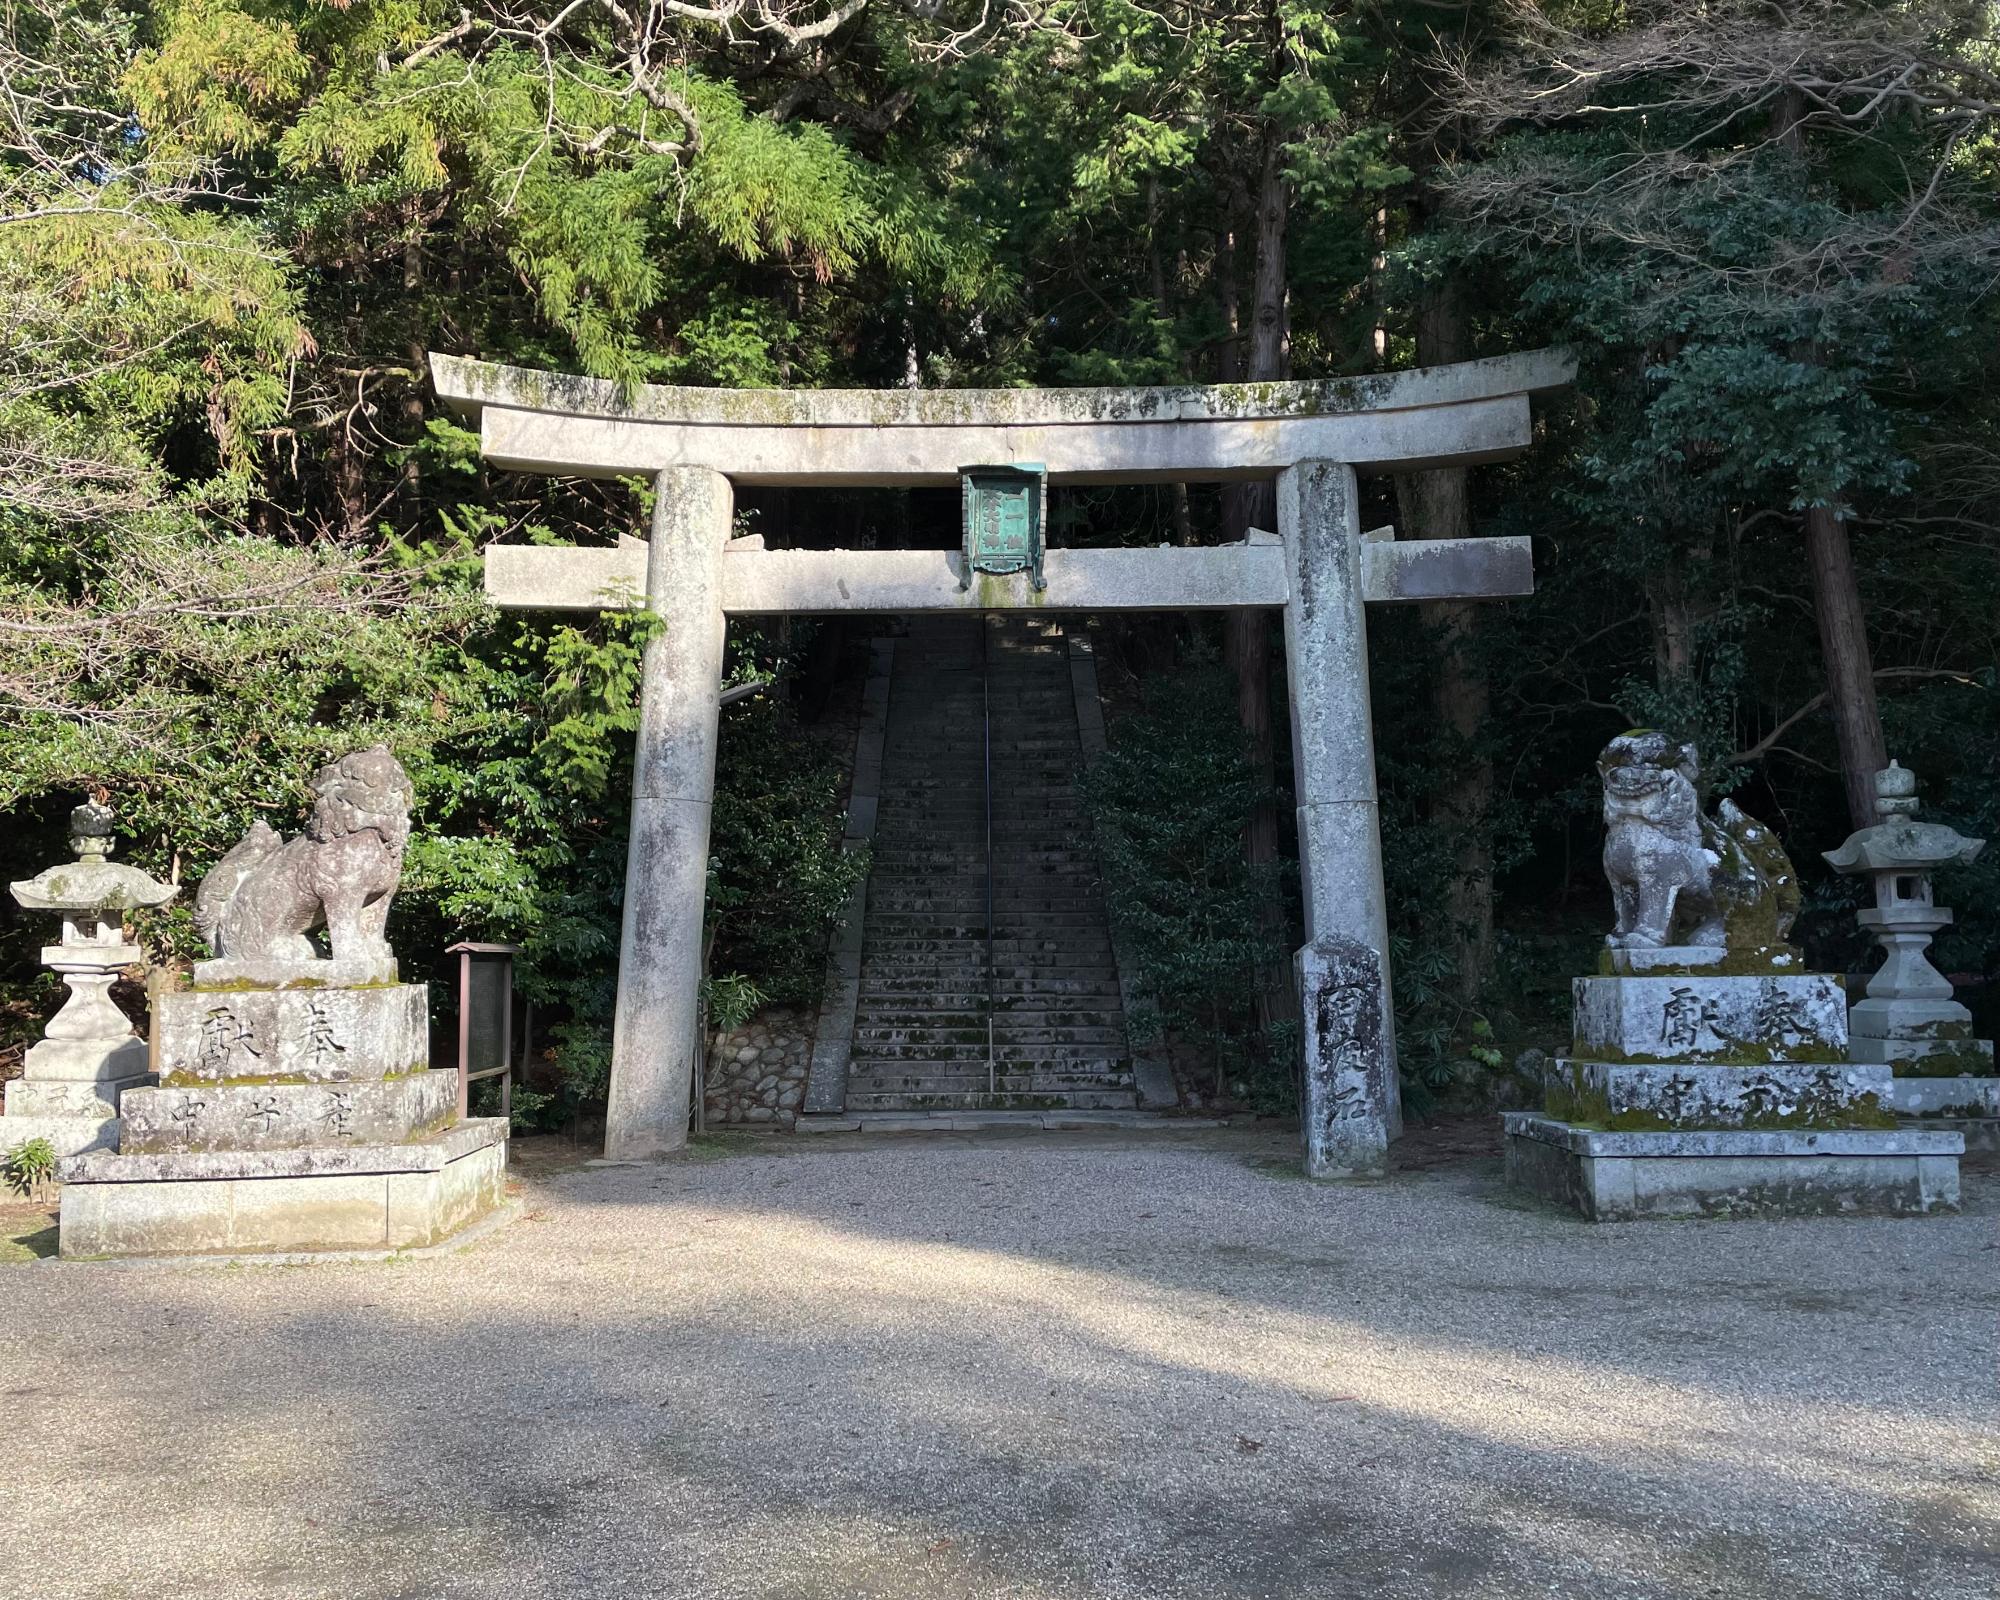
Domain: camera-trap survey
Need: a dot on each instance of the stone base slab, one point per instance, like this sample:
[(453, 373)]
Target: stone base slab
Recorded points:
[(61, 1097), (1716, 1097), (1979, 1133), (1622, 1176), (288, 1116), (292, 1035), (1721, 1021), (68, 1136), (380, 1197)]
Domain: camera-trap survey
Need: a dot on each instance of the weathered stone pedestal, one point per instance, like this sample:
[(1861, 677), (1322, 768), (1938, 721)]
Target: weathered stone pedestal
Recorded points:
[(1608, 1176), (296, 1111), (70, 1087), (1967, 1104), (1696, 1091)]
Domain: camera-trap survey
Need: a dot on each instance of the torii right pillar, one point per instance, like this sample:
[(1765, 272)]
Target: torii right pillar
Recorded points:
[(1352, 1102)]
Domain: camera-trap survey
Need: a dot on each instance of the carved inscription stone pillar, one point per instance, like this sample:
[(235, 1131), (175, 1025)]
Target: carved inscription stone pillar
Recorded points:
[(1352, 1104), (1346, 1023), (673, 790)]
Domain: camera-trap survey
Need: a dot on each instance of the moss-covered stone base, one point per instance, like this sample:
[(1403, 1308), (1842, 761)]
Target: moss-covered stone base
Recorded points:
[(1619, 1175)]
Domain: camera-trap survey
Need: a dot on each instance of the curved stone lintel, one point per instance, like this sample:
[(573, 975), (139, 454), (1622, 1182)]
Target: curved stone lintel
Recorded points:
[(466, 386), (558, 422)]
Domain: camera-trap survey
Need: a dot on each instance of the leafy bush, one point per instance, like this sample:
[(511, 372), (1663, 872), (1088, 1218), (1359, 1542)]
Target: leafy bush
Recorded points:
[(30, 1165), (1169, 802), (778, 876)]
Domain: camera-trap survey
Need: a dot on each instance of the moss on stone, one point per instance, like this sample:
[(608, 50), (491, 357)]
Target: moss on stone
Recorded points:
[(263, 1080), (1739, 1054), (190, 1080), (1964, 1062), (1570, 1099), (1770, 960)]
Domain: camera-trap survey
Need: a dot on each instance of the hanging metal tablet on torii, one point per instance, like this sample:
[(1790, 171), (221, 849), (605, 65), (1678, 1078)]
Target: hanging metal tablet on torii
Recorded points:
[(1004, 511)]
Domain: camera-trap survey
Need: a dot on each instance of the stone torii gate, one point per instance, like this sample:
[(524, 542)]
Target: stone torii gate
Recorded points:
[(1319, 568)]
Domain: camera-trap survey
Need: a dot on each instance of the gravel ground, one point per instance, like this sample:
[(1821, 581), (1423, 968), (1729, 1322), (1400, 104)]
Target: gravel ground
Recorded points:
[(1035, 1367)]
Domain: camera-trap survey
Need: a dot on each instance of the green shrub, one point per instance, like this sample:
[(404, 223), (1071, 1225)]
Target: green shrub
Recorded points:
[(778, 877), (1169, 802), (30, 1165)]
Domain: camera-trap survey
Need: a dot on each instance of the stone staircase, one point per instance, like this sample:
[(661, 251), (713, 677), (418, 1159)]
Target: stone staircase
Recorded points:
[(920, 1029)]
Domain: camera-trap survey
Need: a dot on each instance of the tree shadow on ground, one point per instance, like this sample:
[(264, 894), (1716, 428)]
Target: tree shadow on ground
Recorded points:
[(27, 1232), (1040, 1370)]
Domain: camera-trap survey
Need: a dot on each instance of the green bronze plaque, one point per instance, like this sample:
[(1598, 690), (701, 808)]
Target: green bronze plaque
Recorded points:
[(1003, 510)]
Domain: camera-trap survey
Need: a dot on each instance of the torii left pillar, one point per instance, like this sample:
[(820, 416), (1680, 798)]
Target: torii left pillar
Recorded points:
[(656, 1032)]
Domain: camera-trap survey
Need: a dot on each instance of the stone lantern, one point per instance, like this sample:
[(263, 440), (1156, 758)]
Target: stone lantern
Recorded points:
[(71, 1080), (1909, 1013)]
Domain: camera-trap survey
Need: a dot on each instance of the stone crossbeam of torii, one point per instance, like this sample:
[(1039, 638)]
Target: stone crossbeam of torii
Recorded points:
[(1319, 568)]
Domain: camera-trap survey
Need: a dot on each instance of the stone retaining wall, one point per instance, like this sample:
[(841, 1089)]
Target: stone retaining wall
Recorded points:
[(757, 1073)]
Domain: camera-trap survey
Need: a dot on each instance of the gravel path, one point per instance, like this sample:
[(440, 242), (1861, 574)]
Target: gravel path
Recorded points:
[(1041, 1367)]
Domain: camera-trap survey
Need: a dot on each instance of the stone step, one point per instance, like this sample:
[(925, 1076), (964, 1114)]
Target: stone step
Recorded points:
[(1077, 990), (1057, 896), (915, 859), (910, 891), (951, 869), (1034, 887), (967, 813), (1020, 1026), (949, 921), (902, 896), (898, 1012), (1073, 1100), (1025, 1035), (943, 1052), (1106, 1073), (971, 968), (1082, 960), (1068, 904), (1011, 991), (1013, 935), (1027, 793), (1017, 1076), (1005, 946), (1022, 931), (972, 1029), (897, 923)]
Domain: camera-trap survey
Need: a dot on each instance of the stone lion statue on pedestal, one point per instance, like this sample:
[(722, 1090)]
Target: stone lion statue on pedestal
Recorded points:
[(1678, 877), (263, 899)]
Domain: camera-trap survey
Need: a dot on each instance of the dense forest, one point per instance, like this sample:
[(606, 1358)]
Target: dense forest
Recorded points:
[(238, 534)]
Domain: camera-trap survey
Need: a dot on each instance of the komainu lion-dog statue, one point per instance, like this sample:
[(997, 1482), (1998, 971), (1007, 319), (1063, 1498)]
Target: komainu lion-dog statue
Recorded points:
[(264, 899), (1678, 877)]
